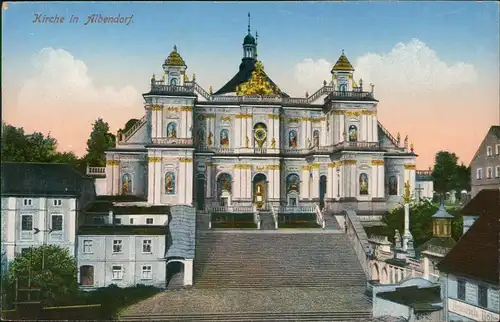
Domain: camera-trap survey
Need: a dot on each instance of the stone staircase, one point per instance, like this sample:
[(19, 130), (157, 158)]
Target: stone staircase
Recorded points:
[(258, 260), (266, 275), (267, 221), (330, 222)]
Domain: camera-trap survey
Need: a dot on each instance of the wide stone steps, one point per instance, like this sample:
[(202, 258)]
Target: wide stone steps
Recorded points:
[(260, 316)]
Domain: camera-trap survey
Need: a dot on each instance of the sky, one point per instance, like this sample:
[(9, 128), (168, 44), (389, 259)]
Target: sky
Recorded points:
[(435, 65)]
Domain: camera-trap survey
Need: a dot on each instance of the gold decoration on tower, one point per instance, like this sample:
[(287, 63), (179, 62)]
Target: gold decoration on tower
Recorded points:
[(406, 196), (273, 143), (257, 84), (343, 64), (209, 139), (210, 89), (246, 142), (174, 59), (153, 77)]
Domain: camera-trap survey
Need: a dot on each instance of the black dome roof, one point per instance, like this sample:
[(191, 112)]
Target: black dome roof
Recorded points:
[(249, 40)]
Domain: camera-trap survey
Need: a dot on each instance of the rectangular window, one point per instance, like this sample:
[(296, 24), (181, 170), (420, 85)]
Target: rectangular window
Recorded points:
[(117, 272), (147, 272), (117, 221), (131, 221), (146, 246), (497, 149), (497, 172), (149, 221), (27, 202), (461, 290), (489, 172), (479, 173), (27, 223), (489, 151), (117, 246), (57, 223), (482, 296), (87, 246), (57, 202)]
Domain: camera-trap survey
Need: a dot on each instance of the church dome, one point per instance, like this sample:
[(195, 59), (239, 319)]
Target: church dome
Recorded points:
[(249, 40), (174, 59)]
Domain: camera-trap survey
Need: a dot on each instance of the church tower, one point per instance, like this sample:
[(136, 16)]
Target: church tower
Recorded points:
[(250, 44), (174, 68), (342, 74)]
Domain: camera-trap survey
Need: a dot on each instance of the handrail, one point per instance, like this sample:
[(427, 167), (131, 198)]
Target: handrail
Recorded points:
[(320, 220), (295, 210), (358, 239), (388, 134), (201, 91), (134, 128), (275, 217), (256, 216)]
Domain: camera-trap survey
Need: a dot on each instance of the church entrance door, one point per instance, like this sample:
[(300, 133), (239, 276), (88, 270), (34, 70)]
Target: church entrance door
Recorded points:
[(259, 190), (200, 192), (322, 191)]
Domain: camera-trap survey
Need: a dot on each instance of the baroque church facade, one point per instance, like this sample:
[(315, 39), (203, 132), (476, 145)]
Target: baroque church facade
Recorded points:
[(251, 144)]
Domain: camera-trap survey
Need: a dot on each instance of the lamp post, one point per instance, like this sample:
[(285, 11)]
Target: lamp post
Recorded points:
[(43, 242)]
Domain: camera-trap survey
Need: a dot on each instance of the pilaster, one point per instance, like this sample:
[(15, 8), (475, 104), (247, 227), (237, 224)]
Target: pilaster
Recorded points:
[(304, 182), (374, 137), (116, 177), (151, 178), (249, 131), (381, 181), (330, 181), (315, 181), (209, 180), (160, 178), (277, 181), (238, 134)]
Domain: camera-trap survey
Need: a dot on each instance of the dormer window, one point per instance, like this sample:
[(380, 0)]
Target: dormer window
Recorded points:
[(27, 202), (57, 202)]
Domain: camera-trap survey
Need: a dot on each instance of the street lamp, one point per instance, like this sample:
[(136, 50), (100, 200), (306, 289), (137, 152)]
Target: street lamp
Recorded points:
[(43, 242)]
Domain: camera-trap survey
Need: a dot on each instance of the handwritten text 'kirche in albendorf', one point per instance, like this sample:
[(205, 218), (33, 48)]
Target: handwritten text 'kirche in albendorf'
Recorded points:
[(94, 18)]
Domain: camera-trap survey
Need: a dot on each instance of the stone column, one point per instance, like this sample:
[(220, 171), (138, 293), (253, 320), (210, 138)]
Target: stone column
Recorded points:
[(330, 181), (116, 177), (373, 186), (250, 131), (238, 133), (236, 189), (341, 127), (315, 181), (302, 136), (304, 182), (188, 198), (374, 137), (277, 181), (151, 179), (248, 183), (188, 272), (381, 180), (160, 178)]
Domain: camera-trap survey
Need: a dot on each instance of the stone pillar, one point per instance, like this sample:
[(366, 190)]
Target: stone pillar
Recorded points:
[(374, 137), (277, 182), (341, 127), (315, 181), (189, 181), (381, 180), (188, 272), (250, 132), (426, 267), (302, 144), (248, 184), (236, 189), (354, 179), (160, 179), (330, 181), (364, 128), (341, 177), (304, 182), (116, 177), (151, 179), (209, 170), (238, 133), (109, 176), (154, 121)]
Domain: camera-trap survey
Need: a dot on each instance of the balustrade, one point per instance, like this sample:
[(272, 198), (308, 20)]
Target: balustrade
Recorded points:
[(161, 88), (173, 141), (96, 170)]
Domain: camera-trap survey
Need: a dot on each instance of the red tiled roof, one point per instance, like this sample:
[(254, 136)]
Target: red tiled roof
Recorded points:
[(486, 200), (476, 253)]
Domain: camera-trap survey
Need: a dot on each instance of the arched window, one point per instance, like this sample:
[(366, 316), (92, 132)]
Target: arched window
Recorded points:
[(363, 184), (170, 183), (224, 138), (343, 87), (393, 186), (126, 184), (172, 130), (292, 139), (173, 81), (316, 138), (353, 133)]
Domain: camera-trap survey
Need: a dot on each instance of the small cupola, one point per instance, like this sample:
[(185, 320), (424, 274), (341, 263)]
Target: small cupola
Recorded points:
[(342, 74), (441, 223), (175, 69), (250, 43)]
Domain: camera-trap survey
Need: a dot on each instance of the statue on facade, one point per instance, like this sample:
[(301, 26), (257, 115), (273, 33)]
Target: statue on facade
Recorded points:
[(407, 192), (273, 144), (345, 136), (397, 238), (309, 143), (411, 148), (246, 141), (398, 138), (209, 138), (406, 142), (210, 89)]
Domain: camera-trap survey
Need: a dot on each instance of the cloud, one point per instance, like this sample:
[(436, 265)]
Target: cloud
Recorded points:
[(407, 67), (63, 93)]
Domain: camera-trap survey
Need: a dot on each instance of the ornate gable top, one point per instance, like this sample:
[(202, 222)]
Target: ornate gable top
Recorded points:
[(343, 64), (174, 59), (258, 84)]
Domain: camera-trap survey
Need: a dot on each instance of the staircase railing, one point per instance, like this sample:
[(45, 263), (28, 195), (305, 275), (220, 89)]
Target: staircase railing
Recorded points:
[(256, 216), (389, 135), (201, 91), (358, 239), (322, 91), (134, 128), (275, 216), (320, 220)]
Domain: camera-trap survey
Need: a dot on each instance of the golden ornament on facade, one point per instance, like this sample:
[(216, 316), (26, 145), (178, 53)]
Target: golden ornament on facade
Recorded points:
[(156, 107), (112, 162), (185, 160), (246, 141), (349, 162), (273, 143), (225, 118), (407, 192), (258, 84), (210, 90), (174, 59), (154, 159), (377, 162), (243, 166), (187, 108), (243, 116), (410, 167)]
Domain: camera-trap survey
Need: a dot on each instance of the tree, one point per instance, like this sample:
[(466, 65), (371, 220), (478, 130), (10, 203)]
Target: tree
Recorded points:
[(463, 175), (49, 267), (20, 147), (129, 125), (445, 172), (99, 141), (420, 222)]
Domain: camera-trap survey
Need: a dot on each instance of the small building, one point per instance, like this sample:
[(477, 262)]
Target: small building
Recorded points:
[(469, 272), (424, 185), (479, 205), (485, 165), (41, 203)]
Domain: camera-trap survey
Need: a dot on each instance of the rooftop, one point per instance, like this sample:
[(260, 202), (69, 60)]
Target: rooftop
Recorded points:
[(41, 179), (122, 230), (484, 201), (418, 298)]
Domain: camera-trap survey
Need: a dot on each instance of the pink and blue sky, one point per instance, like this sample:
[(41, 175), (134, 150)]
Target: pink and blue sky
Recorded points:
[(435, 65)]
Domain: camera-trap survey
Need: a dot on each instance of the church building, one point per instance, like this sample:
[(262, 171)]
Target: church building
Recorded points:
[(249, 144)]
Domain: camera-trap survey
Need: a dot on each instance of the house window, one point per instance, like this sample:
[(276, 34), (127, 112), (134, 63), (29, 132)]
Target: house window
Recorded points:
[(149, 221), (117, 272), (489, 151), (497, 149), (117, 221), (57, 202), (27, 202), (146, 246), (479, 173), (27, 223), (489, 172), (87, 275), (131, 220), (461, 290), (117, 246), (497, 171), (147, 272), (482, 296), (57, 223), (87, 246)]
